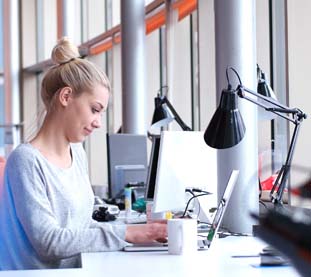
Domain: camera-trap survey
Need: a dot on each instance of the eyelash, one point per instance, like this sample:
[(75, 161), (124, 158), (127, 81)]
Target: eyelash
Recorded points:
[(95, 110)]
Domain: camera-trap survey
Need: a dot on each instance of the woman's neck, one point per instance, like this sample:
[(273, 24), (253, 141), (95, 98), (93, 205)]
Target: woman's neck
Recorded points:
[(52, 143)]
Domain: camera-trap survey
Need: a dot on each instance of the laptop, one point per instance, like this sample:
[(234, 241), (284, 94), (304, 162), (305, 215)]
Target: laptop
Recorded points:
[(205, 241)]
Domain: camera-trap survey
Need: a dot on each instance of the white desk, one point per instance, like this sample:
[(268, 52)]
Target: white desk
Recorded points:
[(217, 261)]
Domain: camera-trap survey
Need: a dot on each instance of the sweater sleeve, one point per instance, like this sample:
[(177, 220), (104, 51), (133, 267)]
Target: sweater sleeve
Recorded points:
[(34, 212)]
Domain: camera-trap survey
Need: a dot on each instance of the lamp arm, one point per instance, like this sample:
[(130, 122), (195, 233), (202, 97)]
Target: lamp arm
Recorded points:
[(279, 109), (270, 100), (279, 185), (177, 117), (272, 110)]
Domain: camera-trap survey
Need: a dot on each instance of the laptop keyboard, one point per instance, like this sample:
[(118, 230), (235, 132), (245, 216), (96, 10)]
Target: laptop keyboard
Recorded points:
[(141, 218)]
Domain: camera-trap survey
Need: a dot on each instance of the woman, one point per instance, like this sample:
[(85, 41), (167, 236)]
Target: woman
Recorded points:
[(47, 201)]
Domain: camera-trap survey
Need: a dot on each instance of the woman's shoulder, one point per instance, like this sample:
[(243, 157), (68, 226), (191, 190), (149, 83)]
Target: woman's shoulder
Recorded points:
[(23, 152), (23, 158)]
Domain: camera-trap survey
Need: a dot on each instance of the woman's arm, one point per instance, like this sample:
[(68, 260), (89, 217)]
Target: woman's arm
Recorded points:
[(146, 233), (36, 221)]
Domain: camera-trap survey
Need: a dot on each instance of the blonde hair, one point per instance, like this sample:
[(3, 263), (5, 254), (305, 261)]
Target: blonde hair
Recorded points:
[(70, 71)]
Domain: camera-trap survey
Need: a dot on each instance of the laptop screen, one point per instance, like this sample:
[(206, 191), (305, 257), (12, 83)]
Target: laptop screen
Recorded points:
[(222, 206)]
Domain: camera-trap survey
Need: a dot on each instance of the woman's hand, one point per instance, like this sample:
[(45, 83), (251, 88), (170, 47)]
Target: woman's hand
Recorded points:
[(144, 233)]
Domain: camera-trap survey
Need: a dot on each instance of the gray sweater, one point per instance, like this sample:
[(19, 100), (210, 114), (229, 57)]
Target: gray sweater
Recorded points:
[(45, 213)]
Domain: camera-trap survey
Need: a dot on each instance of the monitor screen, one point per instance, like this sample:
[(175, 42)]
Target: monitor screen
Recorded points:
[(152, 170), (127, 161), (184, 161)]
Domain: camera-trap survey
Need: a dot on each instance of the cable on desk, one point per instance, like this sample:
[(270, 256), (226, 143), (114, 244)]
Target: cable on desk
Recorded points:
[(262, 203), (199, 205), (193, 197)]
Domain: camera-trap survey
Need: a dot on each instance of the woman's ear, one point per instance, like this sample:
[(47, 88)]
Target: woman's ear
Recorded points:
[(65, 95)]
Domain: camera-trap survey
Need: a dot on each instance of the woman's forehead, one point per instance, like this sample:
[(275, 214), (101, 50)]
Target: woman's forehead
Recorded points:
[(99, 94)]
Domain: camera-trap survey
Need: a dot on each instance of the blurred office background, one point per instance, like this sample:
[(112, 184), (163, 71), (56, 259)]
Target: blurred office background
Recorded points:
[(179, 52)]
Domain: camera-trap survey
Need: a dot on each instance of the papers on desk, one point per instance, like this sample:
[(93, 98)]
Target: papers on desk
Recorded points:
[(132, 218)]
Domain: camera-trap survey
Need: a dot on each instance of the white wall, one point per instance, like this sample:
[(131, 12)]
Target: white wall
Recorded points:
[(180, 83), (299, 61), (207, 61)]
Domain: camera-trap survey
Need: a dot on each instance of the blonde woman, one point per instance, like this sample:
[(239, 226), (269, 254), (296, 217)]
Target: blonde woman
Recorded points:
[(47, 201)]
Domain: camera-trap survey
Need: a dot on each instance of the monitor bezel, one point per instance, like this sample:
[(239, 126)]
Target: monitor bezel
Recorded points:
[(156, 144)]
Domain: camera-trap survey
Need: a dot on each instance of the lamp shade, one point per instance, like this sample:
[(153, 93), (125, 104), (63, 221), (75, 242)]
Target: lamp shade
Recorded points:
[(162, 115), (226, 128), (264, 89)]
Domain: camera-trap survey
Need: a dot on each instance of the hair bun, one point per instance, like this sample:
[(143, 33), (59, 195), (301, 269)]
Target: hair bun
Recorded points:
[(64, 51)]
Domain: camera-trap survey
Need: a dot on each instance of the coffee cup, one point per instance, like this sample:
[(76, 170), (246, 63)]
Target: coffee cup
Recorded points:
[(182, 236)]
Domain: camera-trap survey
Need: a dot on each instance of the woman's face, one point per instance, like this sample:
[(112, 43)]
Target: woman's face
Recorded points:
[(84, 113)]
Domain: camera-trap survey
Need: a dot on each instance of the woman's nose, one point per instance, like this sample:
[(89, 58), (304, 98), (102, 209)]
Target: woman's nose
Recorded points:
[(97, 123)]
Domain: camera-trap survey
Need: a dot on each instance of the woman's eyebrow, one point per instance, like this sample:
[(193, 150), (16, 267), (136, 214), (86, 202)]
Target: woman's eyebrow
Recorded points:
[(100, 104)]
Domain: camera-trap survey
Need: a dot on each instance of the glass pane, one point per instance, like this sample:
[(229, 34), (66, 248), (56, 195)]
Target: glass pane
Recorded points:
[(1, 41), (96, 18), (1, 120), (1, 82), (46, 27)]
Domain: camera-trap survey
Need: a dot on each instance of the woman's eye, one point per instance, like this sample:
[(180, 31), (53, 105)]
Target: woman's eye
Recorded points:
[(95, 110)]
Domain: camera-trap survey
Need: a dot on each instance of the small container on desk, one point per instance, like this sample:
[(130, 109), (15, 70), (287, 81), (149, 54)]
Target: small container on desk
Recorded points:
[(128, 200)]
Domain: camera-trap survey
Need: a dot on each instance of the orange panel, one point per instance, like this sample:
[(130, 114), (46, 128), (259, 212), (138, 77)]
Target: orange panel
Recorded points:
[(185, 7), (117, 39), (103, 47), (154, 22)]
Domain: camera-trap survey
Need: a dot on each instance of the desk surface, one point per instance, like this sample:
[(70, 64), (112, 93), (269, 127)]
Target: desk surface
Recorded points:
[(217, 261)]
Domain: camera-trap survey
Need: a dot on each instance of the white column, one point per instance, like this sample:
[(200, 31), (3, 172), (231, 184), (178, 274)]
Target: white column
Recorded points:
[(71, 24), (235, 31), (134, 104)]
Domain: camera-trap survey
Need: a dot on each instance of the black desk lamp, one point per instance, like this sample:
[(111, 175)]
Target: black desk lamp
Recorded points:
[(263, 86), (264, 89), (227, 129), (165, 113)]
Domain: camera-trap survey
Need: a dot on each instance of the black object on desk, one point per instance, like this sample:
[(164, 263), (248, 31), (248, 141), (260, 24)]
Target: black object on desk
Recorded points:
[(102, 214), (271, 256), (291, 236)]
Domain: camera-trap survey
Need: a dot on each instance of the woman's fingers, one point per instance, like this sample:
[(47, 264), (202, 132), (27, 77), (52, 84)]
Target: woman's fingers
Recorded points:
[(146, 232)]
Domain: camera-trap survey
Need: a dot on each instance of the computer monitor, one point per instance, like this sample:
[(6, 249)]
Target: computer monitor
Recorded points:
[(185, 161), (127, 162), (152, 169)]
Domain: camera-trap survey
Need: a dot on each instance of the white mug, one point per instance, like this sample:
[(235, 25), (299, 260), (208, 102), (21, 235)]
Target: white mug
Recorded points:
[(182, 236)]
